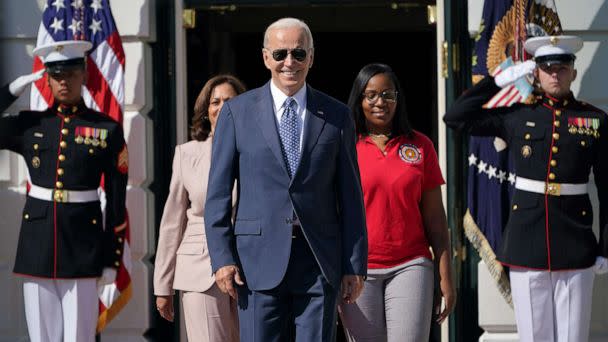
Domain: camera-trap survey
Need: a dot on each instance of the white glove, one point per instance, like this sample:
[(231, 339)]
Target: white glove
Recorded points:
[(20, 83), (601, 265), (513, 73), (107, 277)]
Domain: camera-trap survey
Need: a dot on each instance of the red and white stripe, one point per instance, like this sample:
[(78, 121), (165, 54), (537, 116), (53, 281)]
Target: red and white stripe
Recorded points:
[(504, 98)]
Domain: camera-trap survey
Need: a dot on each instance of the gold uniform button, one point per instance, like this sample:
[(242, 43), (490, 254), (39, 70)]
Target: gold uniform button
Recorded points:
[(552, 176), (60, 171), (558, 112), (551, 102), (556, 136), (91, 151), (118, 251), (59, 185), (554, 149), (583, 143), (553, 162), (36, 146), (514, 206), (527, 136), (120, 239), (63, 144), (26, 216), (94, 221), (556, 123), (584, 213), (565, 102), (61, 157), (117, 264), (66, 120), (65, 131)]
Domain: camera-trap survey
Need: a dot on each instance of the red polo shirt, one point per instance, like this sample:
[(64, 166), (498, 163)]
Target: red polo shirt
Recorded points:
[(392, 189)]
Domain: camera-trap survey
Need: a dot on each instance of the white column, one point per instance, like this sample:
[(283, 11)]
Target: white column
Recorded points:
[(135, 20)]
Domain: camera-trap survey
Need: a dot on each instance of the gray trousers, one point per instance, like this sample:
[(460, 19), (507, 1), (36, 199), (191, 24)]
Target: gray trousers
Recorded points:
[(396, 305)]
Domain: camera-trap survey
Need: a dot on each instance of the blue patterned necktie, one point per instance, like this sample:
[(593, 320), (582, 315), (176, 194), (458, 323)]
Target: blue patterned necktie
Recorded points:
[(290, 137)]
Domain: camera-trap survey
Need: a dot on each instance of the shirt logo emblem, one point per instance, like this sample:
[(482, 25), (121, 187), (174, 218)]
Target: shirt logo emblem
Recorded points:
[(410, 154)]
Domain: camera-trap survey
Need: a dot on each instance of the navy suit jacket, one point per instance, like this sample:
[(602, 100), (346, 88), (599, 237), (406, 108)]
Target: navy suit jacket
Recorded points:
[(325, 192)]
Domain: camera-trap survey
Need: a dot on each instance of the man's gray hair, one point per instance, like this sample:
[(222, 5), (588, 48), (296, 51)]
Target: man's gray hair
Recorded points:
[(285, 23)]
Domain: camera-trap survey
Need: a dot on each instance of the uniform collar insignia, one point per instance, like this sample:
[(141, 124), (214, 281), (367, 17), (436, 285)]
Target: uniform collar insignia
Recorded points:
[(63, 110), (553, 102)]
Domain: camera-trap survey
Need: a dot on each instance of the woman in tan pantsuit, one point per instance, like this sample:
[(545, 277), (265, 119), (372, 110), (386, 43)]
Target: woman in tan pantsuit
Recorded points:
[(182, 258)]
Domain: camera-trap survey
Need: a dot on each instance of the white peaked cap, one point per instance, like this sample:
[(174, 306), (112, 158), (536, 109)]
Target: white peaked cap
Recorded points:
[(553, 45), (63, 50)]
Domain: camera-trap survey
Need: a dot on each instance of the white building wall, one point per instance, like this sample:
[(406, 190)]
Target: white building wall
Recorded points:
[(589, 20), (18, 30)]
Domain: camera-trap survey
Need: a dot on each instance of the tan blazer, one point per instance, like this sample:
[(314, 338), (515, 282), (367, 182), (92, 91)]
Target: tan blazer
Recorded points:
[(182, 258)]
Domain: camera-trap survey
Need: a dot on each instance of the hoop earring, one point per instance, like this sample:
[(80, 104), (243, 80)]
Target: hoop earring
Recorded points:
[(206, 117)]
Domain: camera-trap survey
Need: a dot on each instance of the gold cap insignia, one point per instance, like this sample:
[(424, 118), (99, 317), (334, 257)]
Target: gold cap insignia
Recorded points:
[(554, 40)]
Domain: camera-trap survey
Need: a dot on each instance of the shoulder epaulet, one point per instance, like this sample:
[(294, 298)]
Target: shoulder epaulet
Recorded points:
[(101, 116), (592, 107)]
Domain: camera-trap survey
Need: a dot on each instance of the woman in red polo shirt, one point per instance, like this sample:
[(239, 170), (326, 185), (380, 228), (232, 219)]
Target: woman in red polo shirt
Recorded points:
[(401, 183)]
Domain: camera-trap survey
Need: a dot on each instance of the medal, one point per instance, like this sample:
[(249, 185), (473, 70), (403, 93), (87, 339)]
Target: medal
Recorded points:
[(36, 162), (572, 130), (77, 136), (95, 140), (87, 135), (526, 151), (103, 135)]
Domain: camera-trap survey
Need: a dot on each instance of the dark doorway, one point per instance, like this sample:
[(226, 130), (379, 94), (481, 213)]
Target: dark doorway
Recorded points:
[(345, 37)]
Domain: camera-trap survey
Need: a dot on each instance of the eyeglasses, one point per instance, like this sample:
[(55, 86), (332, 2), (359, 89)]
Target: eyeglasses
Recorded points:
[(387, 95), (280, 54)]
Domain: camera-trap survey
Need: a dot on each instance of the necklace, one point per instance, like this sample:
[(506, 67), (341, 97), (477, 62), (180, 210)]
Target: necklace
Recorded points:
[(380, 135)]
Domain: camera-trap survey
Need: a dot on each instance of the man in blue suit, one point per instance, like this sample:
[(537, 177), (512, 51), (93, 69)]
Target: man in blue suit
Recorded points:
[(299, 236)]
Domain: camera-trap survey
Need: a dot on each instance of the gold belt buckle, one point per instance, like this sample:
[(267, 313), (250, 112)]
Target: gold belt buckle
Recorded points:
[(553, 189), (60, 196)]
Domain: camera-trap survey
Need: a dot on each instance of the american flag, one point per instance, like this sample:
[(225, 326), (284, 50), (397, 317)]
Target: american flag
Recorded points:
[(91, 20)]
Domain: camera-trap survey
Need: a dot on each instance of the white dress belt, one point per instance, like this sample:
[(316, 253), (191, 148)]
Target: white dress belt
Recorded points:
[(63, 196), (554, 189)]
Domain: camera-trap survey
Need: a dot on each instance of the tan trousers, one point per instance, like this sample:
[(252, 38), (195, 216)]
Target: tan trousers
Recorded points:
[(210, 316)]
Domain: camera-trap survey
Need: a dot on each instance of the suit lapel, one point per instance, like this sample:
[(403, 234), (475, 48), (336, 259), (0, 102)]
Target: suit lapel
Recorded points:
[(268, 124), (313, 125)]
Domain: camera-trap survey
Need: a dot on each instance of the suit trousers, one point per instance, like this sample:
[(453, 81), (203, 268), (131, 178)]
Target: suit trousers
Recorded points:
[(552, 306), (61, 310), (210, 316), (303, 305)]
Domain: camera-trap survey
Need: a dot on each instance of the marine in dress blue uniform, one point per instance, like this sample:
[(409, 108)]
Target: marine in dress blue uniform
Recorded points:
[(65, 249), (555, 142)]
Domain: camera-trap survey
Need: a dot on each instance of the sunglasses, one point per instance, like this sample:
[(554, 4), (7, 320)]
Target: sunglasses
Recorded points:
[(298, 54), (387, 95)]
